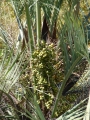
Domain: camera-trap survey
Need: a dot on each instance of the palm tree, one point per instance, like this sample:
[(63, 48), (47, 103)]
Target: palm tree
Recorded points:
[(20, 66)]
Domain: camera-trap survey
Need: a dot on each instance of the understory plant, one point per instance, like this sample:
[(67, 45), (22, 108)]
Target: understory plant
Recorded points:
[(33, 80)]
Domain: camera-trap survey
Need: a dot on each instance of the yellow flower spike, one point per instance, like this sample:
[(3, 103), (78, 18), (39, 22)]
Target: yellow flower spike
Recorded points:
[(44, 81), (52, 97), (51, 45), (41, 65), (56, 113), (44, 55), (47, 105), (50, 101), (20, 89), (42, 88), (43, 49), (49, 94), (41, 97), (38, 101), (40, 81)]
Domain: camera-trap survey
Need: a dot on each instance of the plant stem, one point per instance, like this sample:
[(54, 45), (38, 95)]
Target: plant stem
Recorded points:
[(30, 37), (38, 21)]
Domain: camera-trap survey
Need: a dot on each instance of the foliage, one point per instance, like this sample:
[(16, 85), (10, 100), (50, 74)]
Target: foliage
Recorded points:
[(37, 69)]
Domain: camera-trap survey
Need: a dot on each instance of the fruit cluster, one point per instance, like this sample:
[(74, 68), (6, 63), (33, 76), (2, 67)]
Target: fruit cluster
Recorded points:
[(45, 74)]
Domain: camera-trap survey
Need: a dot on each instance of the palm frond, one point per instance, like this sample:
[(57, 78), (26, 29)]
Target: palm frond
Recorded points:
[(87, 112), (76, 113)]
